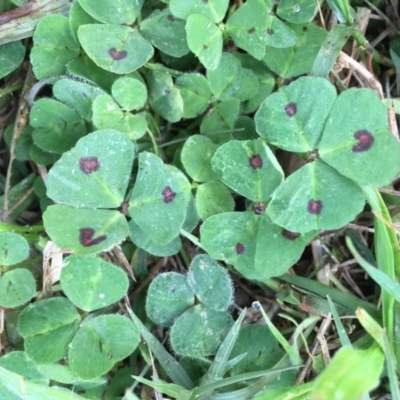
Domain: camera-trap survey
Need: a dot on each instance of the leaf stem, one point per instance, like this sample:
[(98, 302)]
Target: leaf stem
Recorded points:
[(192, 238)]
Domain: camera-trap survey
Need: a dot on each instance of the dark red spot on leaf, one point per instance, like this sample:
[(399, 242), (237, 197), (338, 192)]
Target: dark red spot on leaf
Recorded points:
[(168, 194), (205, 47), (170, 17), (255, 161), (270, 31), (290, 109), (239, 248), (251, 30), (89, 164), (314, 206), (205, 1), (86, 237), (259, 208), (117, 55), (290, 235), (304, 29), (166, 91), (365, 141)]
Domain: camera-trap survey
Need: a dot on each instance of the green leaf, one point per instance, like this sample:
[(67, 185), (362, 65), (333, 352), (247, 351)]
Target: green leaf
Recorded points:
[(92, 283), (141, 239), (100, 343), (57, 126), (210, 283), (247, 27), (11, 389), (86, 231), (395, 52), (356, 137), (11, 56), (261, 349), (354, 372), (299, 58), (213, 198), (19, 363), (169, 295), (292, 120), (196, 94), (315, 197), (164, 97), (77, 95), (13, 248), (158, 203), (255, 246), (47, 327), (115, 48), (17, 287), (95, 173), (297, 11), (54, 46), (77, 17), (200, 331), (165, 32), (123, 12), (196, 158), (229, 80), (279, 35), (212, 9), (204, 39), (248, 167), (129, 92)]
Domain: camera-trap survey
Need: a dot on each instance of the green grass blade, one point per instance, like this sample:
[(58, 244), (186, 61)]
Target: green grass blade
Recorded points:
[(330, 49), (172, 368)]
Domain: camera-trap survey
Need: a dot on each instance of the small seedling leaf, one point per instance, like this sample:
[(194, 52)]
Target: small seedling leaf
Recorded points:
[(100, 343), (214, 10), (95, 173), (86, 231), (47, 327), (159, 201), (204, 39), (165, 32), (210, 283), (255, 246), (17, 287), (199, 331), (357, 141), (315, 197), (123, 12), (91, 283), (294, 117), (115, 48), (13, 248), (169, 296), (249, 167)]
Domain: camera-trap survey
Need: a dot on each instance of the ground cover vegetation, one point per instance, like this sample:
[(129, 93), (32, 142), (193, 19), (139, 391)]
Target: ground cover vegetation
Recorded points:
[(199, 199)]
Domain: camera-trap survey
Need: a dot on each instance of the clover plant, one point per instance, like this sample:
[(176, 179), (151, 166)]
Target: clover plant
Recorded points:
[(171, 303), (154, 121)]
